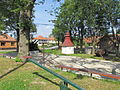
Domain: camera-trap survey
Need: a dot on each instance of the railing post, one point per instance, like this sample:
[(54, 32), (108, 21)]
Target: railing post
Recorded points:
[(64, 85)]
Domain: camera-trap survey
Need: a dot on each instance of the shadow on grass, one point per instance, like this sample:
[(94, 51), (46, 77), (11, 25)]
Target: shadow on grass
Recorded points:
[(79, 76), (112, 58), (36, 73), (12, 70)]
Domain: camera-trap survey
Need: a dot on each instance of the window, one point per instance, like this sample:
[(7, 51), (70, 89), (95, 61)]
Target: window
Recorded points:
[(12, 43), (2, 43)]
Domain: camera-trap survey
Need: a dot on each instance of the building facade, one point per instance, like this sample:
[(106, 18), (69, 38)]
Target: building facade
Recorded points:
[(7, 42), (40, 40)]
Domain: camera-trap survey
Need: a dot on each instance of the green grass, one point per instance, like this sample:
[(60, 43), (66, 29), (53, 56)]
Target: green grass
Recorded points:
[(58, 52), (86, 56), (24, 79), (4, 52)]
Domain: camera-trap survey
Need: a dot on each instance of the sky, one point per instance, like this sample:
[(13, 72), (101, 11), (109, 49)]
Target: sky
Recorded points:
[(43, 17)]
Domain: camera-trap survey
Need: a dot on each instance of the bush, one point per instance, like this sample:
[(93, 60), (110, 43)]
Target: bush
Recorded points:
[(17, 59)]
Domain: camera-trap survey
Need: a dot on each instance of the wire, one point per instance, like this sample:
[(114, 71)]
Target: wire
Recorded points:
[(44, 24)]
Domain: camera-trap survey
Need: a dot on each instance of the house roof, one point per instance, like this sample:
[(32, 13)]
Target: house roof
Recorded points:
[(67, 42), (6, 37), (40, 38), (97, 38), (90, 39), (43, 38)]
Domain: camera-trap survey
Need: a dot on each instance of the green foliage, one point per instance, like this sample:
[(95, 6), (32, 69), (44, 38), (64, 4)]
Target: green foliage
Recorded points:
[(52, 44), (86, 44), (17, 59), (86, 18)]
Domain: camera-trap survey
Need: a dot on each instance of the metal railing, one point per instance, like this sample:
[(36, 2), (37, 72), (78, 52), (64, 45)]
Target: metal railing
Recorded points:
[(91, 71), (63, 85)]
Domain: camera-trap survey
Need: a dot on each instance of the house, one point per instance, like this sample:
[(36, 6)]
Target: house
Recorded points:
[(7, 42), (40, 40), (109, 44), (51, 40)]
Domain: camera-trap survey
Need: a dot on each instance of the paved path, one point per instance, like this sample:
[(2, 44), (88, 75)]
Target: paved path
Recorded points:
[(93, 64), (77, 62)]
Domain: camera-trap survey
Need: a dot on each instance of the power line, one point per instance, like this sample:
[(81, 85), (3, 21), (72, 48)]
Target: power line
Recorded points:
[(44, 24)]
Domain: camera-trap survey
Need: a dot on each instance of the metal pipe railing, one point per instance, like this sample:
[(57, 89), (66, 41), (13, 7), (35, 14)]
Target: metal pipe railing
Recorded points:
[(55, 74)]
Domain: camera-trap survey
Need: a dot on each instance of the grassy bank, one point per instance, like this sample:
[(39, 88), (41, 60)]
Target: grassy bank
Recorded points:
[(5, 52), (31, 77), (58, 52)]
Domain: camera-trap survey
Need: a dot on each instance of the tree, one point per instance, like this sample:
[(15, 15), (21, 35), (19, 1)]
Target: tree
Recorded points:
[(72, 16), (18, 15), (88, 18)]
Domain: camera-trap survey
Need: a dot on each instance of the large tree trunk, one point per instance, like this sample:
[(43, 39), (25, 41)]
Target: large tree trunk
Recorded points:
[(24, 43), (93, 45), (81, 39), (17, 31), (24, 33), (58, 42)]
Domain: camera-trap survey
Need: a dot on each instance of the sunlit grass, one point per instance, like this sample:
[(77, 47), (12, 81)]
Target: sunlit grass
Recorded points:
[(25, 78), (4, 52), (58, 52)]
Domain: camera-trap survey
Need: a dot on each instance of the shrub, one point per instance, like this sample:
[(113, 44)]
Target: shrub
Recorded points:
[(17, 59)]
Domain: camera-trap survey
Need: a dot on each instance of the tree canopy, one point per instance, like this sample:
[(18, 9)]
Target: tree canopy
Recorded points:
[(88, 16)]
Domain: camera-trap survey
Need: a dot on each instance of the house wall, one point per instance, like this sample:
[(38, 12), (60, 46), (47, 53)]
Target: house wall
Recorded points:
[(40, 42), (8, 45), (52, 41)]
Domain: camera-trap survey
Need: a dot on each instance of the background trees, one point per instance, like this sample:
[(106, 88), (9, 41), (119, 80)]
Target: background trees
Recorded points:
[(87, 18), (82, 18)]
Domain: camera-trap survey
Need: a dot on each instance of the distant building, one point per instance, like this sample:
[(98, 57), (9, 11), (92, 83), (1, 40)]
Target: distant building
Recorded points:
[(51, 40), (7, 42), (40, 40), (90, 40), (109, 44)]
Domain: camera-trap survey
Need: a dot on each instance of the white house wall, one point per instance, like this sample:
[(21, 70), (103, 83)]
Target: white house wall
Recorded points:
[(67, 50)]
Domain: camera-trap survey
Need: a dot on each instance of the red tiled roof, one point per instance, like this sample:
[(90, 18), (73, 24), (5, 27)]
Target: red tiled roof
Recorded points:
[(96, 38), (67, 42), (43, 38), (90, 39), (40, 38), (5, 37)]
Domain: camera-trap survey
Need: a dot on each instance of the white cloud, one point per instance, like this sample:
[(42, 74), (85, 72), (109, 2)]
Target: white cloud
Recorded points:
[(44, 30)]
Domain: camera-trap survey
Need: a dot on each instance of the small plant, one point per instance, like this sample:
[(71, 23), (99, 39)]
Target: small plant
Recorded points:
[(17, 59)]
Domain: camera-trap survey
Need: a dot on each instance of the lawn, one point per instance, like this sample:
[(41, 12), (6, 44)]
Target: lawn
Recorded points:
[(109, 58), (4, 52), (31, 77), (58, 52)]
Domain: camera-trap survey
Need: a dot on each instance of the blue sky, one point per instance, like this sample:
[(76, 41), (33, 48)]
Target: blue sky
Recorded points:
[(43, 17)]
